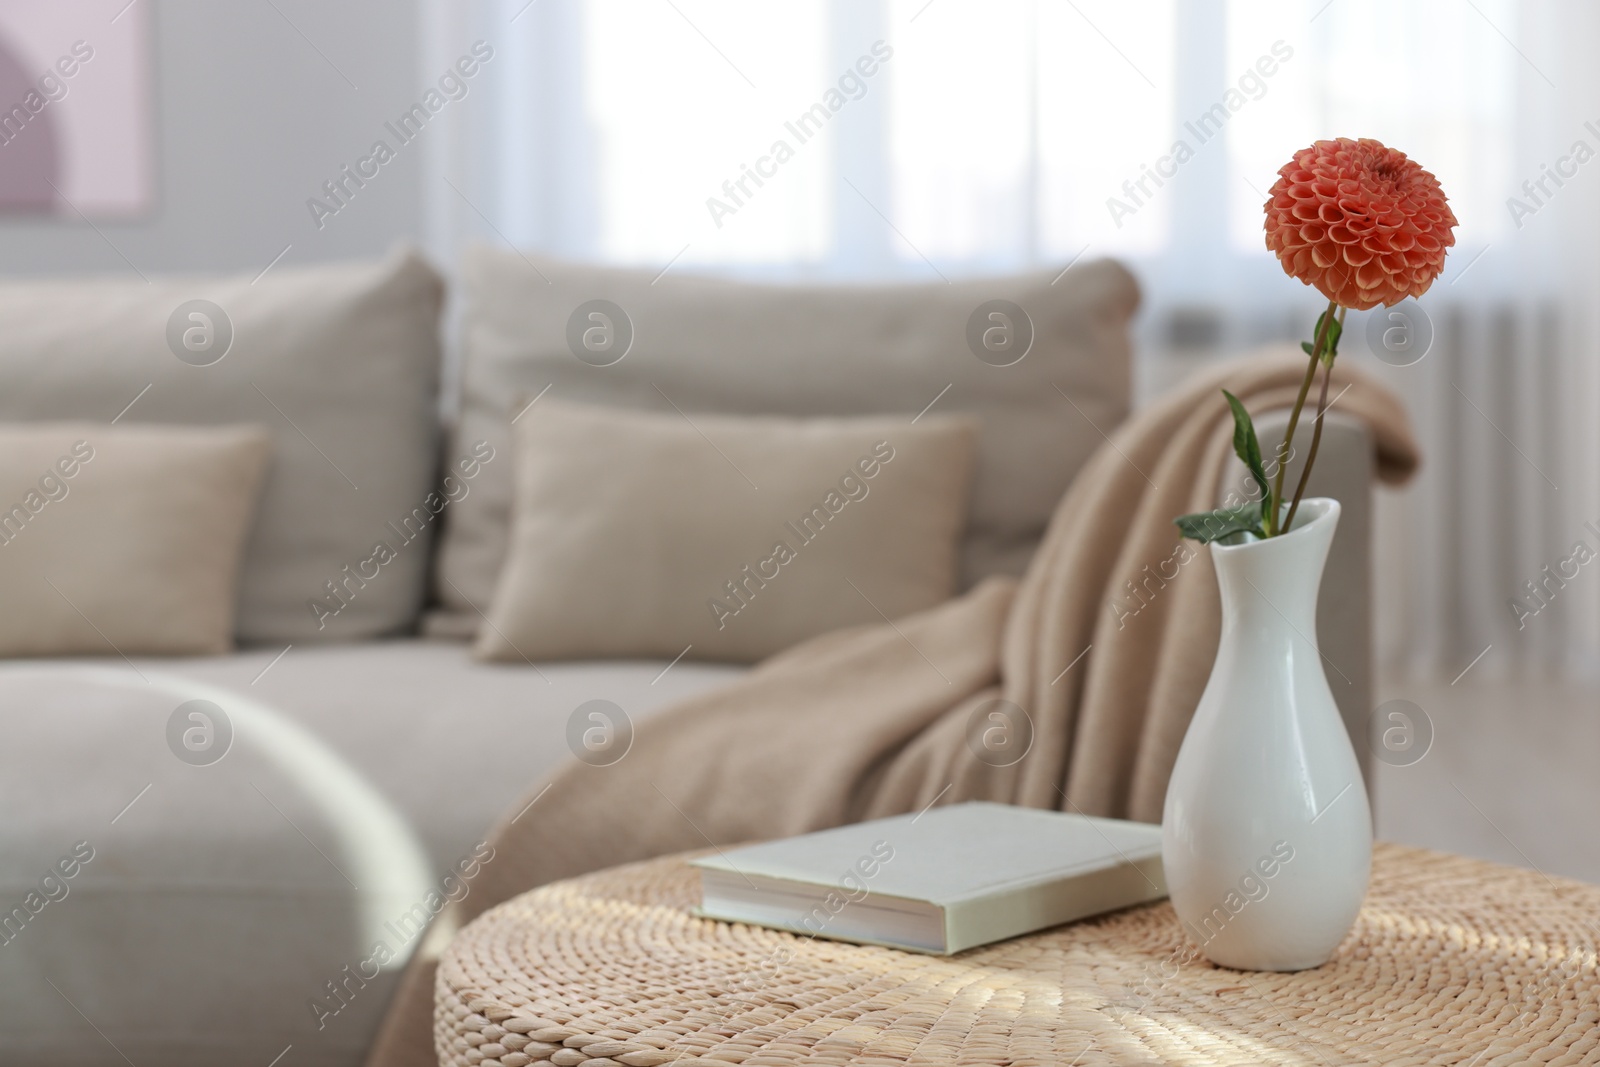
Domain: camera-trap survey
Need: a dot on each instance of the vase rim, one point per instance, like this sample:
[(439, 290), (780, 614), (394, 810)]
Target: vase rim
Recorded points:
[(1314, 512)]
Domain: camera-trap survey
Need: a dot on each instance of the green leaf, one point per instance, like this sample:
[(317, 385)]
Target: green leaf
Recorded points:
[(1331, 348), (1245, 445), (1330, 344), (1208, 526)]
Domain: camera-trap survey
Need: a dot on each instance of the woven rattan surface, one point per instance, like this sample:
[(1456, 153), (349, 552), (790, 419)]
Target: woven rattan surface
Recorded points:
[(1453, 961)]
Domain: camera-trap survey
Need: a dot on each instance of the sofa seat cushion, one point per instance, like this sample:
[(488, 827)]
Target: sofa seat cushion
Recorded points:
[(355, 781)]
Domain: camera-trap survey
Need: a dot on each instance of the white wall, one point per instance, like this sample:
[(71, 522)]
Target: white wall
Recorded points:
[(250, 121)]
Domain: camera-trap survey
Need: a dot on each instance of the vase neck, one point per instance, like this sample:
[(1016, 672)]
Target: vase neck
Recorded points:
[(1266, 584)]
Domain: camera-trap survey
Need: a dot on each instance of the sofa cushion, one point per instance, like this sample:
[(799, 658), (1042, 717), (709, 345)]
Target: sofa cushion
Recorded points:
[(123, 539), (240, 878), (339, 362), (702, 345), (722, 538)]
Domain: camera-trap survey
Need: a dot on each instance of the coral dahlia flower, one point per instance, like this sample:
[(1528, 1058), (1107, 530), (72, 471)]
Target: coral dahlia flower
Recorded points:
[(1363, 223), (1366, 226)]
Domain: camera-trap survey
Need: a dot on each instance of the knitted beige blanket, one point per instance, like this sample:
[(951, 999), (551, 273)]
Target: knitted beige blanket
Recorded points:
[(886, 719)]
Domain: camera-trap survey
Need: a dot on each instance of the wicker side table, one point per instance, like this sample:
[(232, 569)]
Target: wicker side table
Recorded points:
[(1453, 961)]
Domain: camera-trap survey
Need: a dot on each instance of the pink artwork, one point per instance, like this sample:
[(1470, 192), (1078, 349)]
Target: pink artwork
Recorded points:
[(75, 93)]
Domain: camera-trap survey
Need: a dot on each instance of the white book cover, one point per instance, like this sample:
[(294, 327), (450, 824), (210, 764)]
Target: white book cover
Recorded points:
[(940, 881)]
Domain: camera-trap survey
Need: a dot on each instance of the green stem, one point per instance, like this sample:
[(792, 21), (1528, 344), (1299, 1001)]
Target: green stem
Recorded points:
[(1294, 420), (1316, 435)]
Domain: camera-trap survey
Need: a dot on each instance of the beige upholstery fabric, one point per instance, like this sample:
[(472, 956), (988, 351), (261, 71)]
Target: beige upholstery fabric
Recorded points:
[(645, 535), (123, 539), (339, 362), (205, 889), (712, 346)]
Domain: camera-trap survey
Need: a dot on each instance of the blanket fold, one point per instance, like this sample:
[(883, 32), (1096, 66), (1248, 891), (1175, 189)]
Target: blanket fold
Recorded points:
[(876, 720)]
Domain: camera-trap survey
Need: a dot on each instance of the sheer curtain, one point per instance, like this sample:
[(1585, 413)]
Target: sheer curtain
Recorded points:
[(924, 139)]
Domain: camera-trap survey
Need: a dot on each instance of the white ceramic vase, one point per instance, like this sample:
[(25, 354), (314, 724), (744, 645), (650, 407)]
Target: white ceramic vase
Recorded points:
[(1266, 835)]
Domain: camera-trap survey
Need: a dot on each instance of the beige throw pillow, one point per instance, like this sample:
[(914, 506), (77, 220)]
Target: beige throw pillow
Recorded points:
[(123, 539), (646, 535)]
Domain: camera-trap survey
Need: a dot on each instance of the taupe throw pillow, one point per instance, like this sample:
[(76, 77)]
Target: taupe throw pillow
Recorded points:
[(123, 539), (643, 535)]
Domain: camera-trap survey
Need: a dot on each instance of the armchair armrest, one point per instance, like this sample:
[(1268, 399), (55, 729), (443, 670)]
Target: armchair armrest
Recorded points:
[(1344, 607)]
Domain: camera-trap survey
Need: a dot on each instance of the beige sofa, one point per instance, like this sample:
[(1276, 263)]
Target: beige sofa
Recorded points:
[(230, 908)]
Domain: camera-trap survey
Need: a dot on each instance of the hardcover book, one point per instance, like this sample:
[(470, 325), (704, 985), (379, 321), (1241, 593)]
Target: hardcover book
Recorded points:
[(940, 881)]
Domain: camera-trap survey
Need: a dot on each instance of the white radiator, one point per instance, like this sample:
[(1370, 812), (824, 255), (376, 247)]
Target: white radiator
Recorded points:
[(1489, 566)]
